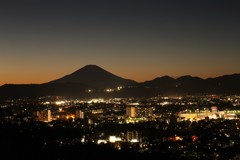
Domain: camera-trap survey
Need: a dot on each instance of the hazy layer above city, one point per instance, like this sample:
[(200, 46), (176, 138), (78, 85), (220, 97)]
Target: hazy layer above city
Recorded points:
[(93, 81)]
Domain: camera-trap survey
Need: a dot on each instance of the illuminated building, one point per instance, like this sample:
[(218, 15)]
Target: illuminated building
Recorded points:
[(131, 111), (79, 115), (90, 121), (113, 139), (214, 114), (195, 116), (134, 136), (144, 112), (44, 115), (97, 111)]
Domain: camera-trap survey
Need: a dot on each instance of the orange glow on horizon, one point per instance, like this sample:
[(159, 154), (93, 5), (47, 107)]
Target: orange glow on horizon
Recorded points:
[(47, 77)]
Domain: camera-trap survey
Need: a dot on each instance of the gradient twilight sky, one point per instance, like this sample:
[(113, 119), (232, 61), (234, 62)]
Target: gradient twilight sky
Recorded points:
[(42, 40)]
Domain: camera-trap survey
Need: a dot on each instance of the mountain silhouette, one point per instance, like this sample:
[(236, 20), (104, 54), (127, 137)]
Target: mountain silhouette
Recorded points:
[(96, 77), (160, 82), (226, 84)]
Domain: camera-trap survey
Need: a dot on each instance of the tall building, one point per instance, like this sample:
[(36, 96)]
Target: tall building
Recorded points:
[(79, 114), (144, 111), (44, 115), (134, 136), (131, 111)]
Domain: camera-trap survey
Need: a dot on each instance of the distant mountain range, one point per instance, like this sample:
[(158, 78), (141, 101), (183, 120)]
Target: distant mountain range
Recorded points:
[(92, 81)]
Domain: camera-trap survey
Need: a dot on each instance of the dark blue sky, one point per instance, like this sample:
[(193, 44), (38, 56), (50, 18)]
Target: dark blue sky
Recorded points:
[(42, 40)]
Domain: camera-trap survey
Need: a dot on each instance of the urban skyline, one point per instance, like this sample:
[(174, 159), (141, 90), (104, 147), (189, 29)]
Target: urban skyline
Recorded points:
[(44, 40)]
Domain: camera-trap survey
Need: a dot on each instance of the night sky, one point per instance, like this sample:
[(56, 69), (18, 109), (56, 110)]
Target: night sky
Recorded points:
[(42, 40)]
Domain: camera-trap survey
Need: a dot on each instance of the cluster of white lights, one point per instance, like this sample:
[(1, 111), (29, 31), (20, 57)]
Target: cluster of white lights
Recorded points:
[(119, 88), (113, 139), (109, 90), (59, 102)]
